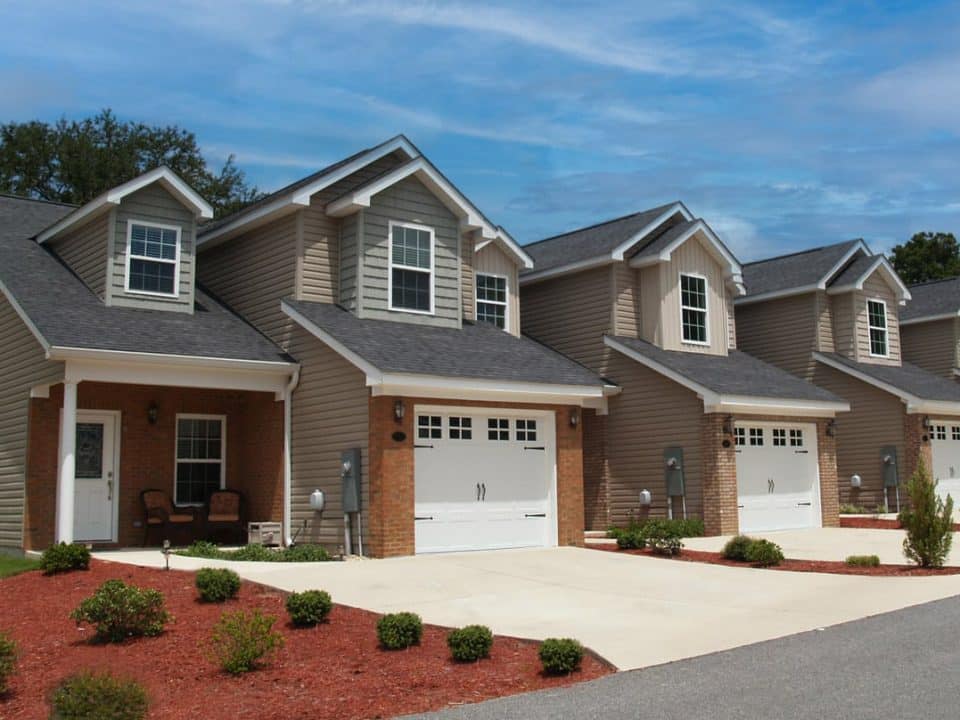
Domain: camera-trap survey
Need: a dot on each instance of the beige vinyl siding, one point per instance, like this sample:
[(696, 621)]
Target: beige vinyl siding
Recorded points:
[(467, 280), (84, 250), (844, 333), (626, 292), (409, 201), (253, 272), (825, 335), (22, 366), (152, 204), (491, 259), (570, 314), (876, 288), (781, 332), (349, 261), (651, 319), (932, 345), (329, 415)]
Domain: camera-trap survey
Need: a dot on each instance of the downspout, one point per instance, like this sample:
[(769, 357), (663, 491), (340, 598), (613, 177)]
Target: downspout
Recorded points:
[(287, 461)]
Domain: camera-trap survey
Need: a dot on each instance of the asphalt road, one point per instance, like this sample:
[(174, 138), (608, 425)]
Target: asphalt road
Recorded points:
[(904, 664)]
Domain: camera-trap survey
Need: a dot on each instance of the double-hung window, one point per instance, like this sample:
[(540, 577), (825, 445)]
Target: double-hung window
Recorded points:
[(492, 299), (201, 445), (877, 319), (693, 308), (411, 268), (153, 256)]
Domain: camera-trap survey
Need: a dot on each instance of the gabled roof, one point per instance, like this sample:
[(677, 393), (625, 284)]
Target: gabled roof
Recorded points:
[(163, 175), (861, 269), (934, 300), (800, 272)]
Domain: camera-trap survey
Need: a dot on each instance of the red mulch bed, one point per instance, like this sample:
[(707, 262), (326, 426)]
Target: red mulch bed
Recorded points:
[(872, 523), (834, 567), (335, 670)]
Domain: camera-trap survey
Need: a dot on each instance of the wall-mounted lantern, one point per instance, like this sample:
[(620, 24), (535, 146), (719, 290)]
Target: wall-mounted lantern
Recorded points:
[(832, 427), (574, 417), (153, 413), (399, 410)]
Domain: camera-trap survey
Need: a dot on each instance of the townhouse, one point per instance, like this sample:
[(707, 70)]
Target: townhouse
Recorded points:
[(930, 327)]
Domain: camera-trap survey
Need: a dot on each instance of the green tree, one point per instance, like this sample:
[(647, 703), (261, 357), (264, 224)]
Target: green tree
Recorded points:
[(927, 256), (75, 160), (928, 521)]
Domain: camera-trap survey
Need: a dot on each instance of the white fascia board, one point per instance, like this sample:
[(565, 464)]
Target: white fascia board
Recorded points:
[(588, 264), (931, 318), (720, 253), (434, 386), (24, 317), (619, 252), (59, 352), (506, 241), (749, 405), (365, 366), (934, 407)]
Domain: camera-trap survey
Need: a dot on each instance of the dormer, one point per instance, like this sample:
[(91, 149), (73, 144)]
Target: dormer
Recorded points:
[(134, 245)]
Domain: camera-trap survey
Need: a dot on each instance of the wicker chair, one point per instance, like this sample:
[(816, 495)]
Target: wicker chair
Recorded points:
[(225, 511), (161, 514)]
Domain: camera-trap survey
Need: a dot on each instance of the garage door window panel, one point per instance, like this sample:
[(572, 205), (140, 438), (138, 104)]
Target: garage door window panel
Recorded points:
[(527, 430), (940, 432), (740, 436), (779, 437), (498, 429), (796, 438), (756, 437), (429, 427), (461, 428)]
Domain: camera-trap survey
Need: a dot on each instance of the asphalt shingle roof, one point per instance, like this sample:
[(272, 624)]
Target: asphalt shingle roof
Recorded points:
[(734, 374), (932, 299), (853, 271), (793, 271), (68, 314), (479, 351), (909, 378)]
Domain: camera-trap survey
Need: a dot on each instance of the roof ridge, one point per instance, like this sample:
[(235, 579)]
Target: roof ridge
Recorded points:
[(14, 196), (934, 282), (802, 252), (602, 223)]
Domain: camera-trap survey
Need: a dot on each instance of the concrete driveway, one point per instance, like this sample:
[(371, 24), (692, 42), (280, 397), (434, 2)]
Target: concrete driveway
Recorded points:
[(634, 611)]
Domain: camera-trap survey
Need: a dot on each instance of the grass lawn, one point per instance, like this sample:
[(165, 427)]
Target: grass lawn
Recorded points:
[(10, 566)]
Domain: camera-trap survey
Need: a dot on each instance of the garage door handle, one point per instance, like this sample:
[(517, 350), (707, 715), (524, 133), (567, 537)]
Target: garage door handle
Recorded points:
[(484, 495), (801, 452), (424, 446), (543, 515), (424, 517), (478, 492), (534, 448), (740, 507), (805, 504)]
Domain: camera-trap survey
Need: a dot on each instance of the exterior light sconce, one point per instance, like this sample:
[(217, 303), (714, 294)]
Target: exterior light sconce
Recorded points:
[(832, 430), (926, 422), (153, 413), (399, 410), (727, 431), (574, 417)]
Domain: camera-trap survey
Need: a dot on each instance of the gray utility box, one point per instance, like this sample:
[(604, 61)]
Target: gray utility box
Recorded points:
[(888, 466), (350, 478), (673, 471)]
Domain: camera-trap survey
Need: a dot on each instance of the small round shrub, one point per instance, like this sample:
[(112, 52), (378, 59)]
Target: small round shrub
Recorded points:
[(737, 548), (560, 656), (399, 630), (631, 540), (863, 561), (88, 696), (309, 608), (119, 611), (217, 584), (64, 558), (663, 536), (241, 642), (764, 553), (470, 643), (305, 553), (8, 660), (252, 553)]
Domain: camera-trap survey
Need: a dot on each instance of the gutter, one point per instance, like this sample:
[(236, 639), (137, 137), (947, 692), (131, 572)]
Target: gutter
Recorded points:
[(287, 460)]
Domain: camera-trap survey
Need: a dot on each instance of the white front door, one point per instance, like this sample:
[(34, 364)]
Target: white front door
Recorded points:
[(945, 444), (95, 503)]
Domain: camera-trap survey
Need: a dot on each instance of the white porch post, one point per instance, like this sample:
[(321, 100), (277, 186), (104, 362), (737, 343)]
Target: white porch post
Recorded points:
[(68, 463)]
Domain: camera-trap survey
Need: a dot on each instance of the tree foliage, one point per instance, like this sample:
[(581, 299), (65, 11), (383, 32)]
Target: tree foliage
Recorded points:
[(927, 256), (73, 161), (928, 521)]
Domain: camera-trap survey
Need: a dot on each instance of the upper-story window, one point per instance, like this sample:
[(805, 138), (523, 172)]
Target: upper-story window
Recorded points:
[(411, 268), (693, 308), (877, 318), (153, 258), (492, 299)]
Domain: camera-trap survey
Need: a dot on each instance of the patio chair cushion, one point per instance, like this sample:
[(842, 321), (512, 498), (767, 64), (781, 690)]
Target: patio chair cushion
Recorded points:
[(223, 517), (180, 518), (224, 507)]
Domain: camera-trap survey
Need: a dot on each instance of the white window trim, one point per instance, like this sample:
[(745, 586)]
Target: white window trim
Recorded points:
[(175, 262), (886, 329), (390, 267), (505, 303), (705, 310), (176, 453)]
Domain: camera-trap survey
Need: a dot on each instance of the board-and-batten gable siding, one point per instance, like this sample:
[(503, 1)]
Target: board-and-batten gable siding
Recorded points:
[(876, 288), (931, 345), (84, 250), (330, 414), (22, 366), (410, 201), (467, 277), (571, 314), (152, 204), (252, 273), (491, 259), (781, 332)]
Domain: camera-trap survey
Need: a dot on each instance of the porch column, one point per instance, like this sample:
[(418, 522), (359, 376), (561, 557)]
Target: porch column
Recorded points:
[(67, 480)]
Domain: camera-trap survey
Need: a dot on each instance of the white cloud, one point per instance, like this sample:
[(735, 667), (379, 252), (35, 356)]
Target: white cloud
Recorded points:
[(922, 93)]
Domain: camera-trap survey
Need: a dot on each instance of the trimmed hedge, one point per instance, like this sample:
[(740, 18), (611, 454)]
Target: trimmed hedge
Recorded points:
[(89, 696), (398, 631), (863, 561), (217, 584), (470, 643), (560, 656), (309, 608), (764, 553), (118, 611), (736, 548), (64, 558), (257, 553)]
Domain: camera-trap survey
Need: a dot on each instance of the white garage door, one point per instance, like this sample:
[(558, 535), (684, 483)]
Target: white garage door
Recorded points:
[(484, 480), (777, 476), (945, 443)]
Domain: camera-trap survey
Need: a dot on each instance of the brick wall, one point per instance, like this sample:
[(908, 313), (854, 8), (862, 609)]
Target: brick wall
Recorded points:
[(829, 481), (917, 442), (595, 471)]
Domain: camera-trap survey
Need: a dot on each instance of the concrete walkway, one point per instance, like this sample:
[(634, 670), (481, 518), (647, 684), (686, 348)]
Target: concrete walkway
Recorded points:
[(634, 611)]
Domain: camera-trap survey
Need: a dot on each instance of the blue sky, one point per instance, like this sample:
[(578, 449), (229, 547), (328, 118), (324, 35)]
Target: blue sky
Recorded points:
[(784, 125)]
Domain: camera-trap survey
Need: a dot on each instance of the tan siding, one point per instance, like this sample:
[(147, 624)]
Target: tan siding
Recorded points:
[(781, 332), (876, 288), (651, 299), (825, 336), (84, 250), (467, 284), (22, 366), (491, 259), (254, 272), (844, 336), (152, 204), (626, 289), (349, 261), (319, 267), (932, 346)]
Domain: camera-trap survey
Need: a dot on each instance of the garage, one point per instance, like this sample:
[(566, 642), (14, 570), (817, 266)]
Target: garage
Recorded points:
[(778, 476), (485, 479), (945, 445)]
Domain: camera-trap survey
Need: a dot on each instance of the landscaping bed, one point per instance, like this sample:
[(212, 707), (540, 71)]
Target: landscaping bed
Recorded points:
[(874, 523), (335, 670)]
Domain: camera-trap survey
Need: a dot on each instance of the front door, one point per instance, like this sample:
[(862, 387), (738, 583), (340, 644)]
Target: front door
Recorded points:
[(96, 484)]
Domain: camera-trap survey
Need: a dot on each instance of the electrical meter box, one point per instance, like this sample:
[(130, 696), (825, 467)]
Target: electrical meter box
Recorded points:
[(350, 477), (888, 466), (673, 471)]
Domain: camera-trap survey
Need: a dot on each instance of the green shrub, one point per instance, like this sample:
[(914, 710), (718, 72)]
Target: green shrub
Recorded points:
[(863, 561), (257, 553), (737, 548), (241, 641), (217, 584), (850, 509), (118, 611), (470, 643), (399, 630), (99, 697), (764, 553), (64, 558), (928, 521), (690, 527), (309, 608), (560, 656), (8, 660), (305, 553), (252, 553), (678, 527), (631, 540), (663, 536)]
